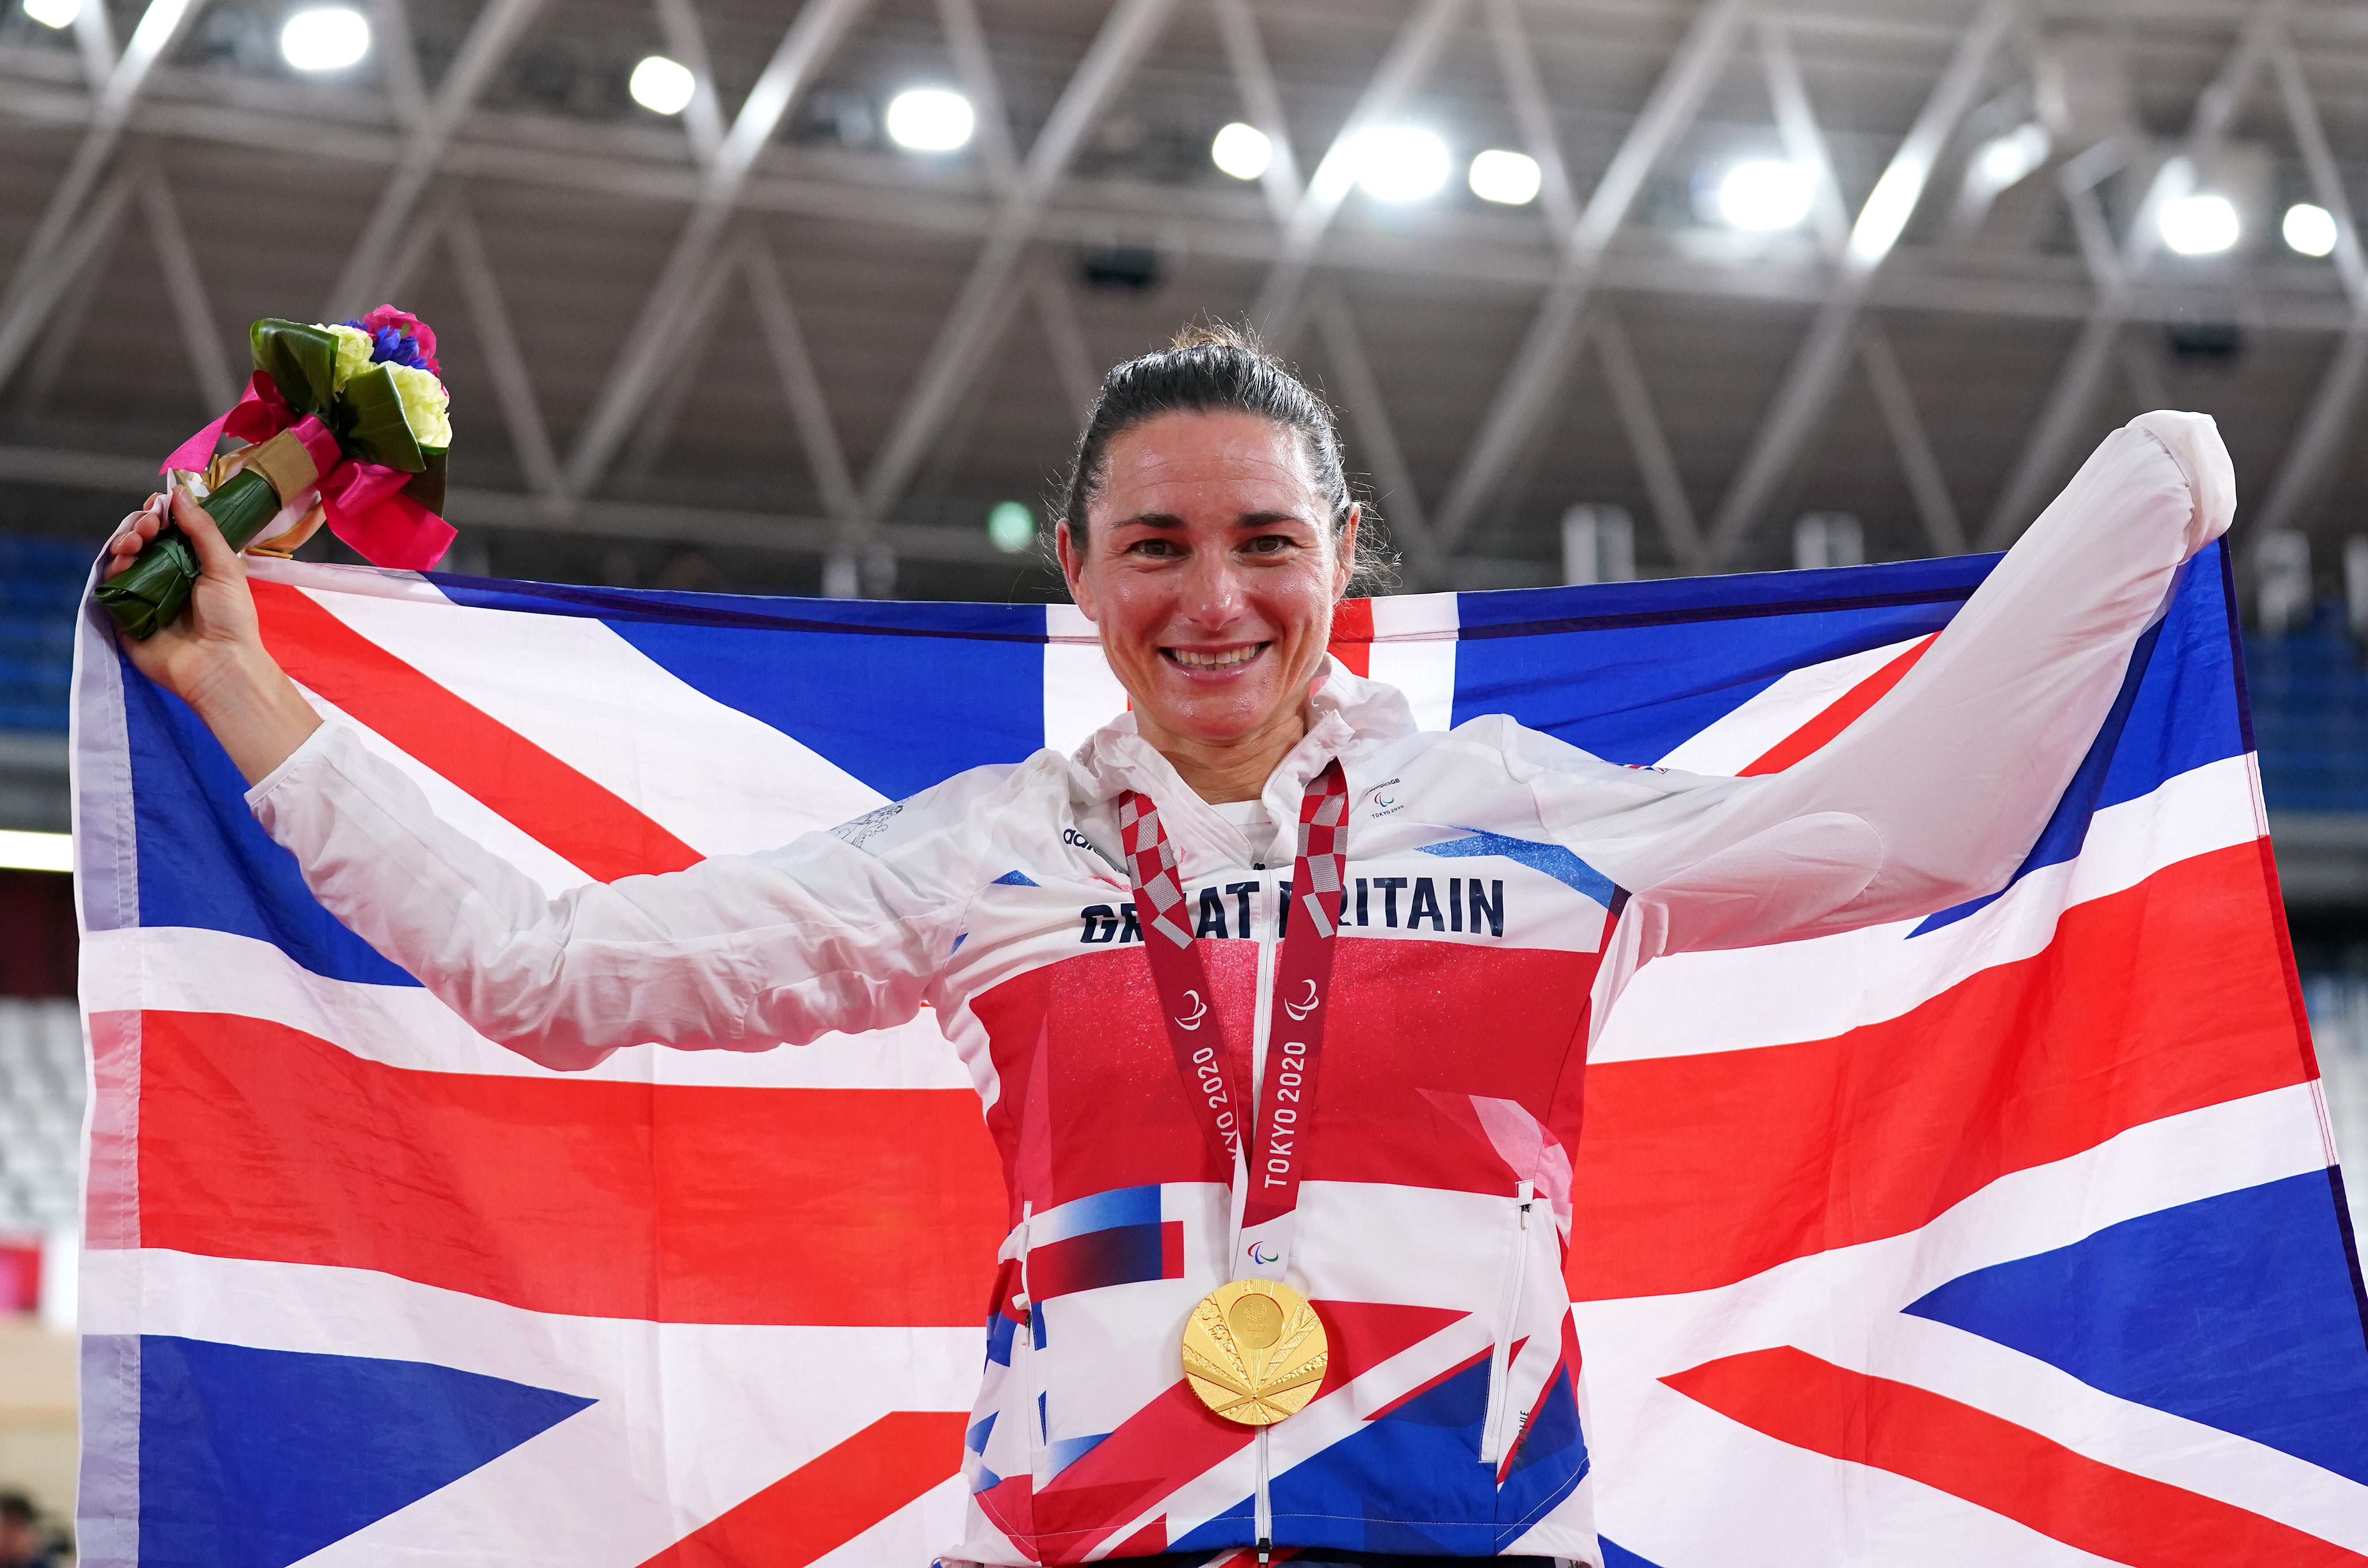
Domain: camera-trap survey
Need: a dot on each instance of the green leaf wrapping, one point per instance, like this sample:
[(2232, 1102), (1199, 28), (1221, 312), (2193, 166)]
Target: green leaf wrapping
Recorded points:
[(301, 361), (370, 425), (426, 486), (147, 595)]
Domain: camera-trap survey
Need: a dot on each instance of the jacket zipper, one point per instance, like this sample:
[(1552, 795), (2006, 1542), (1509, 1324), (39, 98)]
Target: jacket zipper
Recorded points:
[(1269, 946), (1492, 1434), (1031, 1379)]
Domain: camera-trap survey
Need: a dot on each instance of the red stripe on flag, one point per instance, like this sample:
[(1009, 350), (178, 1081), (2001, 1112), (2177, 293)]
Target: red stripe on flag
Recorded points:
[(1992, 1463), (1352, 636), (580, 820), (829, 1500), (674, 1203), (1836, 717), (1698, 1171)]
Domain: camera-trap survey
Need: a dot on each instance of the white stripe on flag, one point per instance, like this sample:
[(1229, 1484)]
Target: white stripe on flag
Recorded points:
[(1413, 650), (1840, 1304), (184, 969), (1081, 695), (1691, 1003), (1745, 735), (692, 1419), (722, 782), (552, 873)]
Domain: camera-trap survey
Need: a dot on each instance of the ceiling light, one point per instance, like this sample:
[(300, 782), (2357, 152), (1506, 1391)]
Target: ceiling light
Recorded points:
[(1011, 526), (2200, 225), (662, 86), (53, 12), (1241, 151), (1401, 163), (1764, 195), (2309, 229), (1511, 178), (2005, 160), (22, 851), (329, 39), (929, 119)]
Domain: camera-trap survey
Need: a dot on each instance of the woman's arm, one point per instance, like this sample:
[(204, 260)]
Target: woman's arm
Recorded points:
[(738, 953), (212, 658), (1938, 791)]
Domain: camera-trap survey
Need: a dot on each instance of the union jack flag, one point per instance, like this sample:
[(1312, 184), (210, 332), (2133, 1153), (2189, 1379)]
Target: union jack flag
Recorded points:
[(2011, 1234)]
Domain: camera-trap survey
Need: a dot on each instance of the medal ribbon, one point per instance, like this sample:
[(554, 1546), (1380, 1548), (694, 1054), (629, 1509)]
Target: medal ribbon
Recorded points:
[(1267, 1171)]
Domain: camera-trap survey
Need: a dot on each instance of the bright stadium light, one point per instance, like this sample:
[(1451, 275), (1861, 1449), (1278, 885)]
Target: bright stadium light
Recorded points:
[(1401, 163), (1512, 178), (2200, 225), (930, 120), (1241, 151), (53, 12), (1763, 195), (662, 86), (328, 39), (1010, 527), (2004, 161), (22, 851), (2309, 229)]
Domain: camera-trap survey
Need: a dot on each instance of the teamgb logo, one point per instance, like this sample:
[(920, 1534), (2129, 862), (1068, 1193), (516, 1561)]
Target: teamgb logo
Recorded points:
[(1299, 1010), (1384, 802)]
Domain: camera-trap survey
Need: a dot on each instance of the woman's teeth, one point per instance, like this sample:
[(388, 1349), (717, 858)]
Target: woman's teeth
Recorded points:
[(1193, 659)]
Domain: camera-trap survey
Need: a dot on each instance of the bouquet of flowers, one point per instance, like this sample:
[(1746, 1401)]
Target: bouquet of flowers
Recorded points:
[(345, 425)]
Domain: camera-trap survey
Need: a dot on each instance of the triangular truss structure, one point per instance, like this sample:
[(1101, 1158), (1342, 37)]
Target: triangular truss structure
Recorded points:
[(736, 223)]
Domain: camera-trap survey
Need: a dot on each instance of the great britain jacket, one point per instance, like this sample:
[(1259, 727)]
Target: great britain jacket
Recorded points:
[(1502, 888)]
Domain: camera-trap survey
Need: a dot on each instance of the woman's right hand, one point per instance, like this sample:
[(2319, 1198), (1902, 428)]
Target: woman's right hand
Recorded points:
[(212, 656)]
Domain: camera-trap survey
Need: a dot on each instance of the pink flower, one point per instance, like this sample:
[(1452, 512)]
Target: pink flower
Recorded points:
[(410, 326)]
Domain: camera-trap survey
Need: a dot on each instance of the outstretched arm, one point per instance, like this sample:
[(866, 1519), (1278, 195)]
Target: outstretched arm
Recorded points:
[(740, 952), (1938, 791)]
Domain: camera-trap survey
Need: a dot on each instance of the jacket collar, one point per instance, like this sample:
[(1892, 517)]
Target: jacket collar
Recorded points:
[(1345, 712)]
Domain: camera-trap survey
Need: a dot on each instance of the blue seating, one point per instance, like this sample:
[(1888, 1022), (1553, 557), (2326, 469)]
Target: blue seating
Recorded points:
[(2309, 695), (40, 587)]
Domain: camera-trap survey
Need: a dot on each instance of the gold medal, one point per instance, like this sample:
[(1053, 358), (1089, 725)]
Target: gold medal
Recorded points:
[(1255, 1351)]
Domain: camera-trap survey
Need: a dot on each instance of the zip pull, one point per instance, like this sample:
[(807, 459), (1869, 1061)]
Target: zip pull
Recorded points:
[(1265, 1551), (1527, 1192)]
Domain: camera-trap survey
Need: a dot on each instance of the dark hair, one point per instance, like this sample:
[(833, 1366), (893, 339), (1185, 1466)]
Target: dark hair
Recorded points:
[(1214, 369)]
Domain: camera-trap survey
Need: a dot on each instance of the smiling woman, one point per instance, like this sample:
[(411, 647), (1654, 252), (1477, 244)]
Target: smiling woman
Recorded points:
[(1147, 950), (1209, 531)]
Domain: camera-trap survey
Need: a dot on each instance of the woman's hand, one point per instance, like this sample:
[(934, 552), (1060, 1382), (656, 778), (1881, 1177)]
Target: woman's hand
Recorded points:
[(212, 656)]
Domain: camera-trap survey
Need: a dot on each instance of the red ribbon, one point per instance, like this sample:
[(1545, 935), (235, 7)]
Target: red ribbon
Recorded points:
[(364, 501)]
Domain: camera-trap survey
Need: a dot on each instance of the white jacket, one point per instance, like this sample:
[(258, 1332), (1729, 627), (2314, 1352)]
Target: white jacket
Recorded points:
[(1488, 861)]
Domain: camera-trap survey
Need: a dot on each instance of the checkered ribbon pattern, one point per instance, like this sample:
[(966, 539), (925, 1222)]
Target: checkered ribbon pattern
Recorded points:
[(1211, 1067), (1158, 891)]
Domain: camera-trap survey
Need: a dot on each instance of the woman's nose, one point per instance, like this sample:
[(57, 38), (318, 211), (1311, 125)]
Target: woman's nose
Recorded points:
[(1212, 590)]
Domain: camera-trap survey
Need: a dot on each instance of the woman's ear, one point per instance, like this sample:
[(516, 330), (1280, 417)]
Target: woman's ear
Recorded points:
[(1344, 569), (1073, 566)]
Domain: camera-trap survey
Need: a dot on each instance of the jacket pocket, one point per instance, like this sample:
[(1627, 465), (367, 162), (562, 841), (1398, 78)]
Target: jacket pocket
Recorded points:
[(1493, 1429)]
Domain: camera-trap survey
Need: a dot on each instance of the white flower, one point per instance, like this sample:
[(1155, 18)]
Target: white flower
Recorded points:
[(425, 405), (354, 349)]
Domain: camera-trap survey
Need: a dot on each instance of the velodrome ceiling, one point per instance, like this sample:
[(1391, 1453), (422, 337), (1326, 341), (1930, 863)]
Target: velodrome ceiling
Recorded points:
[(737, 344)]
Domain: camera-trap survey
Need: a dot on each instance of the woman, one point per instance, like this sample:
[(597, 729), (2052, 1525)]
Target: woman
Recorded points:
[(1346, 1068)]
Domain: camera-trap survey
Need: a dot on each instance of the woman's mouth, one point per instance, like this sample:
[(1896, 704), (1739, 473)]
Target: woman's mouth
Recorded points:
[(1214, 661)]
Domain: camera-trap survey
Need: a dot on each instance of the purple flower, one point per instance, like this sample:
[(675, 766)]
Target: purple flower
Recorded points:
[(399, 336)]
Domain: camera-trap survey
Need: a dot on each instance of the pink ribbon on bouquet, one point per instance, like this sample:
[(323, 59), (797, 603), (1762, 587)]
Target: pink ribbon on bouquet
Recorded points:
[(364, 501)]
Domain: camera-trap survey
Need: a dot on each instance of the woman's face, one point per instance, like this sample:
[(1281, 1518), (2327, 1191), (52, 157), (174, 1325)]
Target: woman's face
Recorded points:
[(1210, 571)]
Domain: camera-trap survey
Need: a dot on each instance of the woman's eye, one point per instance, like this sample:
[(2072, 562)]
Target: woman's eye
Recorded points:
[(1269, 544)]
